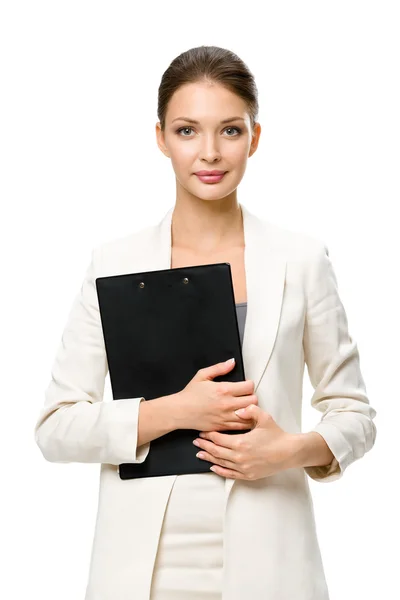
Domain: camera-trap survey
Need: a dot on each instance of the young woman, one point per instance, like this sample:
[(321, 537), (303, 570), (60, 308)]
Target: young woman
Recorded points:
[(246, 529)]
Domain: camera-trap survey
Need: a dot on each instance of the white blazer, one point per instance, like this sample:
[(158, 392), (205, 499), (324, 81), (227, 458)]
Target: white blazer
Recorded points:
[(294, 317)]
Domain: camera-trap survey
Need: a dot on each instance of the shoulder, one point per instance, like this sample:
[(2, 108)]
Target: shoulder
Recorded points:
[(109, 251), (294, 245), (306, 255)]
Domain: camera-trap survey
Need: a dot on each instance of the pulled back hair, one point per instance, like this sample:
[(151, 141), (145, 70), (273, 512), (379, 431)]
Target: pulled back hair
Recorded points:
[(208, 64)]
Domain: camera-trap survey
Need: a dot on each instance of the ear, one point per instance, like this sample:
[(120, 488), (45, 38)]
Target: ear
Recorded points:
[(255, 138), (161, 139)]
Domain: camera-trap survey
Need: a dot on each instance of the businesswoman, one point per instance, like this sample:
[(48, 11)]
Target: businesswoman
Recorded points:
[(246, 528)]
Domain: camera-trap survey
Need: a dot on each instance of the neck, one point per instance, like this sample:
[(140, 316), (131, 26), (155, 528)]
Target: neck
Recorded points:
[(207, 226)]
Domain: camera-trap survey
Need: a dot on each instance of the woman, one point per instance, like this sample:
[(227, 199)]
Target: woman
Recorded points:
[(246, 529)]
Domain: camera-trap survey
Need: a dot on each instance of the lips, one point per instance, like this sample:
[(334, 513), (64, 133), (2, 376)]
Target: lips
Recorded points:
[(210, 173), (211, 178)]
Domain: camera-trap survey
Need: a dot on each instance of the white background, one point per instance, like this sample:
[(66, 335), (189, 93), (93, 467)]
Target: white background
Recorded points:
[(80, 165)]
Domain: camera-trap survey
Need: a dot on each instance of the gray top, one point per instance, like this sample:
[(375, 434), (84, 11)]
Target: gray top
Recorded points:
[(241, 311)]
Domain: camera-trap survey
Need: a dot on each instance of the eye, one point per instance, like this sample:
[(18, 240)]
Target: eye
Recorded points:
[(237, 129), (190, 128), (183, 129)]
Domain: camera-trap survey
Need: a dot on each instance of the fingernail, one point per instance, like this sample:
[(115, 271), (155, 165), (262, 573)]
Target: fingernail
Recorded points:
[(230, 360)]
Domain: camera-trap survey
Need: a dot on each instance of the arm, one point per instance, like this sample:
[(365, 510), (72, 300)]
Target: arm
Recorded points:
[(75, 425), (333, 365), (158, 417), (310, 450)]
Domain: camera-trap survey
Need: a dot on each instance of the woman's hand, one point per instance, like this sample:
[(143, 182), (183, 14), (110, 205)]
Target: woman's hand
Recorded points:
[(259, 453), (208, 405)]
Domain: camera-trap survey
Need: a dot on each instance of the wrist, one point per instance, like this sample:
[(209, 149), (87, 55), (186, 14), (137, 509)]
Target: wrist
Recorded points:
[(309, 450), (294, 451), (172, 406)]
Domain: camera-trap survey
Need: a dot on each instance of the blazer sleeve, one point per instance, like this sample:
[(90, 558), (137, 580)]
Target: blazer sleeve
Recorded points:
[(75, 425), (333, 366)]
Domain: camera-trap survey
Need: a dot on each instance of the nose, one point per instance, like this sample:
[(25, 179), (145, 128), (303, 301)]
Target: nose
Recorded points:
[(210, 149)]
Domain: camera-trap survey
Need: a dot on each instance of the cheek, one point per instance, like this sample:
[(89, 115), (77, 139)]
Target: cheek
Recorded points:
[(182, 158), (236, 155)]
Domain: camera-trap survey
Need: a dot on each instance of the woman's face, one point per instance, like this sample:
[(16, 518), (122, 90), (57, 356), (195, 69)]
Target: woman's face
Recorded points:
[(209, 144)]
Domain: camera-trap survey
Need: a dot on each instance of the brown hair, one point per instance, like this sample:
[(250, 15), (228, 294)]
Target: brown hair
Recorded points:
[(209, 64)]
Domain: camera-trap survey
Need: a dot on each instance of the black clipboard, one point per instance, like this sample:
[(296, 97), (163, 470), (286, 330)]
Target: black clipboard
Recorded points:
[(160, 327)]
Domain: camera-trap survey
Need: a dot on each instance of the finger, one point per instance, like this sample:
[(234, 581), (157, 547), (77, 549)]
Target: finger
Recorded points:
[(236, 425), (203, 455), (241, 388), (229, 473), (220, 453), (221, 439), (245, 401)]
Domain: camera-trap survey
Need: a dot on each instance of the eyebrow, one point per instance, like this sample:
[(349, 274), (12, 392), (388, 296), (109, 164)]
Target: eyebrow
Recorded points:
[(197, 122)]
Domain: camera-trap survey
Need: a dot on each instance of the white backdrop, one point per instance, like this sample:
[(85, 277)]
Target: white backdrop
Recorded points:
[(80, 165)]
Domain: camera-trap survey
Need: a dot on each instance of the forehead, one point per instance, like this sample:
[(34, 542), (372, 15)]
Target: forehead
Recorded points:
[(205, 102)]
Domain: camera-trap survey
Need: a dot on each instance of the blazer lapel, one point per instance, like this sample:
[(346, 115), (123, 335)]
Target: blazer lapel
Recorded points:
[(265, 280)]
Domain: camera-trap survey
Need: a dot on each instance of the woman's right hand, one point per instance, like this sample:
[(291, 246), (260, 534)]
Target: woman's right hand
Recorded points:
[(207, 405)]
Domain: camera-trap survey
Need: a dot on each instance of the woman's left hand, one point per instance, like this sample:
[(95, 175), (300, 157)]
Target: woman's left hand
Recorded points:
[(261, 452)]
